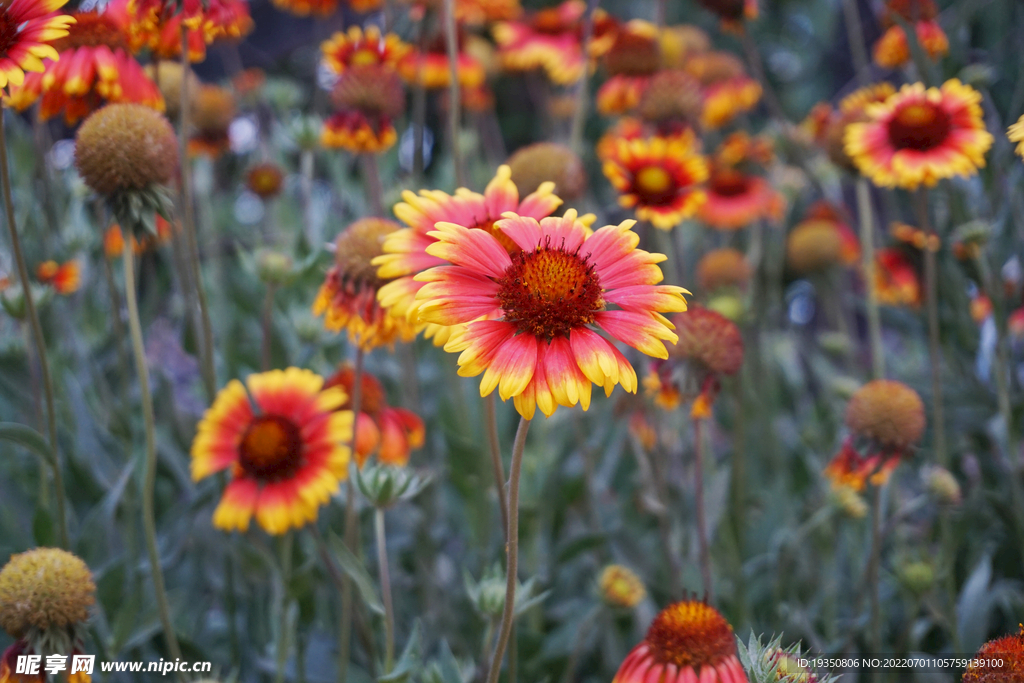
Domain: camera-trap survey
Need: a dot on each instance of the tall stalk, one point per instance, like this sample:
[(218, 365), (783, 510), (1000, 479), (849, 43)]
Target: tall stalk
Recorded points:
[(931, 287), (511, 570), (37, 337), (704, 547), (451, 40), (266, 327), (865, 217), (494, 446), (283, 639), (874, 562), (351, 526), (579, 116), (188, 224), (149, 482), (385, 590), (372, 183)]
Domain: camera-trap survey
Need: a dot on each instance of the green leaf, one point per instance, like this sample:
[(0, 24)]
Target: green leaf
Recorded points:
[(410, 659), (351, 565), (27, 438), (449, 667)]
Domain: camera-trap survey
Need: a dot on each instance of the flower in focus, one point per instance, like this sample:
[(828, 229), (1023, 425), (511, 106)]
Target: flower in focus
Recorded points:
[(551, 40), (998, 661), (621, 587), (659, 178), (897, 282), (348, 297), (722, 269), (28, 28), (94, 66), (368, 99), (282, 440), (212, 113), (265, 180), (892, 50), (632, 59), (354, 47), (542, 162), (405, 251), (919, 136), (391, 433), (687, 641), (65, 278), (529, 314)]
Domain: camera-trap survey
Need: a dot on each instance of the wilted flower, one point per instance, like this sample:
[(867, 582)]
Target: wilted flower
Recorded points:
[(621, 587)]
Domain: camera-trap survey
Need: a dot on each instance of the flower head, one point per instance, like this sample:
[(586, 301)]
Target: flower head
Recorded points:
[(282, 441), (355, 47), (125, 147), (348, 296), (213, 109), (44, 588), (851, 471), (621, 587), (265, 180), (368, 99), (634, 56), (887, 412), (65, 278), (732, 12), (709, 339), (542, 162), (530, 314), (688, 641), (892, 50), (816, 244), (405, 251), (430, 67), (680, 42), (735, 199), (723, 268), (919, 136), (26, 31), (896, 282), (659, 178), (671, 98), (998, 661)]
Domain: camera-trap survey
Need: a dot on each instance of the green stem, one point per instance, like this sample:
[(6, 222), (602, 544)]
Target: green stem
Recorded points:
[(372, 183), (351, 526), (874, 561), (579, 117), (931, 283), (283, 639), (266, 327), (704, 547), (494, 444), (149, 483), (855, 36), (508, 613), (385, 591), (188, 223), (865, 217), (37, 336), (454, 93)]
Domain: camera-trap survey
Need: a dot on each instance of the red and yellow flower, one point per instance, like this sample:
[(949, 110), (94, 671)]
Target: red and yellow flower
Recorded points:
[(687, 642), (113, 239), (551, 39), (354, 47), (368, 99), (29, 26), (659, 178), (430, 67), (65, 278), (156, 25), (632, 59), (390, 433), (919, 136), (304, 8), (736, 199), (348, 297), (725, 100), (405, 251), (282, 437), (530, 315), (897, 282), (998, 661), (94, 66), (892, 50)]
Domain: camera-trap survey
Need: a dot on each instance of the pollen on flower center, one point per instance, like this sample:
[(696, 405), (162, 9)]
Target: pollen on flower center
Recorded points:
[(653, 181), (271, 448), (691, 634), (919, 126), (549, 292)]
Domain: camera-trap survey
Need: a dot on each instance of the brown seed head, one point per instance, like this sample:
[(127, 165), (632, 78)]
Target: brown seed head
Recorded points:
[(888, 412), (708, 338), (673, 95), (548, 161), (372, 90), (214, 109), (125, 147), (813, 246), (723, 268), (44, 588)]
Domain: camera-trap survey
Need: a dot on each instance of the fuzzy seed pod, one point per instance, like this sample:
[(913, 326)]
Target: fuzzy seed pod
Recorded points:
[(44, 588)]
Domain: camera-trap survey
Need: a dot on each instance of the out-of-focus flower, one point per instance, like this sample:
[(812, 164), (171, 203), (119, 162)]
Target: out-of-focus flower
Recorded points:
[(998, 661), (659, 178), (897, 282), (642, 429), (671, 99), (687, 641), (543, 162), (942, 485), (168, 77), (736, 199), (248, 82), (214, 109), (65, 278), (274, 267), (815, 245), (536, 344), (354, 48), (29, 28), (551, 38), (632, 59), (391, 433), (915, 237), (892, 49), (113, 239), (621, 587), (723, 268), (847, 499), (679, 43), (1015, 133), (156, 25), (368, 99), (849, 470), (823, 210), (348, 296), (887, 412), (405, 251), (828, 127), (304, 8), (265, 180), (430, 67), (282, 442), (919, 136), (728, 90), (917, 577), (732, 12), (482, 12), (94, 66), (981, 308)]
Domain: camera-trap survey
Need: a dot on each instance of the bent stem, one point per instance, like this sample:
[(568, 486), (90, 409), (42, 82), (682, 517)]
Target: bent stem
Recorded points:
[(149, 481), (451, 40), (702, 529), (351, 525), (37, 337), (579, 117), (188, 223), (385, 591), (508, 613), (494, 444), (865, 218)]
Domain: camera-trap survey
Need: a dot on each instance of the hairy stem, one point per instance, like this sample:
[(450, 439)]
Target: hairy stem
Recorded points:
[(37, 337), (508, 613)]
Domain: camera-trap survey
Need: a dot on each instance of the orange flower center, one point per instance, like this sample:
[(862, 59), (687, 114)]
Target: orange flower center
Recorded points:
[(271, 448), (364, 56), (91, 30), (691, 634), (654, 184), (549, 292), (729, 182), (919, 126)]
